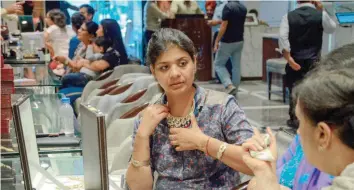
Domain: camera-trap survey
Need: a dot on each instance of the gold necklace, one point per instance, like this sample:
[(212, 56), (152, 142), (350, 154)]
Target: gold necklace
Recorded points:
[(180, 122)]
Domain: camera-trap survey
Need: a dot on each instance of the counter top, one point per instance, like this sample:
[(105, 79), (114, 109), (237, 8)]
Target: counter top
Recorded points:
[(270, 35)]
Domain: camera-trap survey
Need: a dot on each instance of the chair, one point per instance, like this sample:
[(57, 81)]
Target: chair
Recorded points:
[(110, 83), (134, 112), (119, 130), (122, 156), (106, 102), (108, 90), (116, 73), (276, 65), (120, 109), (94, 101)]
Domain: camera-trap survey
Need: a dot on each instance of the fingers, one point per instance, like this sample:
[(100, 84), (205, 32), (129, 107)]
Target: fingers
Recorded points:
[(269, 131), (174, 143), (251, 146), (175, 131), (258, 138), (249, 161)]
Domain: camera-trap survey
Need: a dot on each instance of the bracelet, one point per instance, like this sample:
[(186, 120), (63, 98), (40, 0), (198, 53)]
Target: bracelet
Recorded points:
[(206, 147), (221, 151), (66, 61), (139, 164)]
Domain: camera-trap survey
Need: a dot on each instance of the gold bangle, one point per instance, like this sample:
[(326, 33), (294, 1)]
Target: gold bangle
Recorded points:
[(221, 151), (138, 164)]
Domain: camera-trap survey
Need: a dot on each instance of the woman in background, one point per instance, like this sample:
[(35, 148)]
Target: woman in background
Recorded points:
[(190, 7), (77, 19), (154, 13)]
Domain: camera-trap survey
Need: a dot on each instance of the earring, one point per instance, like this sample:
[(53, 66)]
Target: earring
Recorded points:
[(321, 148)]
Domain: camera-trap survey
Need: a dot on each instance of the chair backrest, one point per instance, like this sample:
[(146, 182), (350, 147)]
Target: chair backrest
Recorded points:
[(121, 108), (142, 82), (134, 97), (119, 130), (134, 112), (116, 73), (108, 90), (122, 157), (120, 89), (104, 75), (109, 83)]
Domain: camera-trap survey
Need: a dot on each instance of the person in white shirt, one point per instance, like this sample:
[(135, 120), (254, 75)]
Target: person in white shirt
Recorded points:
[(57, 35), (185, 7), (300, 41)]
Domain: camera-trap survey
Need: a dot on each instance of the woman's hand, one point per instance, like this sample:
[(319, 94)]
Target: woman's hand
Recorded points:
[(256, 143), (188, 138), (151, 117), (81, 62), (60, 58)]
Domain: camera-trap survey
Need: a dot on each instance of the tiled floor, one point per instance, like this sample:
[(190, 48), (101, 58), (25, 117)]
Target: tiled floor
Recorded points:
[(253, 98)]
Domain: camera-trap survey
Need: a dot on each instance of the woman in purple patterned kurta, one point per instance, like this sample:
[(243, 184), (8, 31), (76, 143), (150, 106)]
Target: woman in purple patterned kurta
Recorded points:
[(184, 158), (295, 172)]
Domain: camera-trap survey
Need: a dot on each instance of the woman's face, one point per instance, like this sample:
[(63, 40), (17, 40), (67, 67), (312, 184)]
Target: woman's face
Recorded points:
[(99, 32), (83, 34), (313, 140), (174, 69)]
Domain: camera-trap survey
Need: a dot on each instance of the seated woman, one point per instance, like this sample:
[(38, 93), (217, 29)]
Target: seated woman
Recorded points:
[(325, 108), (94, 52), (183, 136), (86, 34), (293, 170), (114, 56)]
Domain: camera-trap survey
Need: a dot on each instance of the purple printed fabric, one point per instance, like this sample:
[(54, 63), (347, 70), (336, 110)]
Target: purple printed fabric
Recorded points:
[(295, 172)]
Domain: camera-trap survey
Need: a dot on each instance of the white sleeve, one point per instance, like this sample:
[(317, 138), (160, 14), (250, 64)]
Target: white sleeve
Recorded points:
[(284, 43), (329, 26)]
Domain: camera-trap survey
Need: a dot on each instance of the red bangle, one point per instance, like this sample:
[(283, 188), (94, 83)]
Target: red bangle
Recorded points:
[(206, 147)]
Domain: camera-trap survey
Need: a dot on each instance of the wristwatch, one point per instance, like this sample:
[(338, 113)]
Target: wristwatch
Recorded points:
[(139, 164)]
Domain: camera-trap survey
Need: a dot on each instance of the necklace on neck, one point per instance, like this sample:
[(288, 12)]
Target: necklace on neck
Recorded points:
[(181, 122)]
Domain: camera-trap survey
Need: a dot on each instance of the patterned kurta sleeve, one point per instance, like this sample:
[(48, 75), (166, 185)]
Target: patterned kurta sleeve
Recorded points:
[(288, 155), (136, 126), (235, 126)]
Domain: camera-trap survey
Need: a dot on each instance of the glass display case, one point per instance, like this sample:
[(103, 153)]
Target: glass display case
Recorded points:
[(35, 78), (24, 167)]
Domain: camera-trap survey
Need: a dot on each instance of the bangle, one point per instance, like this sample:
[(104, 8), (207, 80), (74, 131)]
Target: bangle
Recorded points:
[(206, 147), (66, 61), (221, 151), (138, 164)]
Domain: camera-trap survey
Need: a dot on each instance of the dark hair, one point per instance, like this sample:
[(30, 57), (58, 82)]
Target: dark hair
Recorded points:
[(113, 35), (92, 27), (161, 40), (340, 57), (101, 42), (302, 1), (90, 9), (77, 19), (254, 11), (57, 17), (327, 94)]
